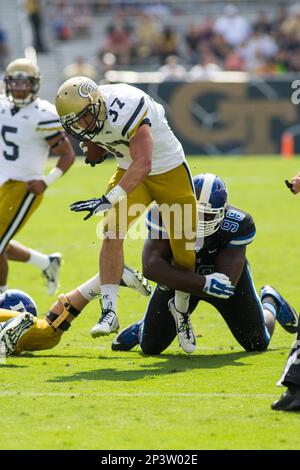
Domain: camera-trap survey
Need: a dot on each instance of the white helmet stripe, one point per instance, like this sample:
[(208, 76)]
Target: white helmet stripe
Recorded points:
[(206, 188)]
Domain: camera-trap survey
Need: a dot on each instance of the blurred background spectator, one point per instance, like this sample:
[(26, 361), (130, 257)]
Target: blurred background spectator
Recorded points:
[(233, 27), (259, 48), (145, 34), (70, 20), (80, 67), (119, 42), (82, 18), (207, 66), (4, 51), (172, 71), (105, 61), (166, 43), (34, 11), (61, 15)]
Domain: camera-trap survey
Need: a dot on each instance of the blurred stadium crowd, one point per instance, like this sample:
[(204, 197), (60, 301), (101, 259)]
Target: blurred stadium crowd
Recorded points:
[(148, 36)]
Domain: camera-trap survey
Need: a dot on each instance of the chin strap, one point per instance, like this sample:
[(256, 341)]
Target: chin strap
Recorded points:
[(59, 321)]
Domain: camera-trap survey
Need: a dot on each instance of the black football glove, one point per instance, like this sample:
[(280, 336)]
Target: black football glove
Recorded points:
[(290, 186), (93, 206)]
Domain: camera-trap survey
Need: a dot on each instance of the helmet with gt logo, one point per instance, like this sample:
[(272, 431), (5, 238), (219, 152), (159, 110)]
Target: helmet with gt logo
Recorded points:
[(15, 299), (81, 107), (22, 81), (211, 194)]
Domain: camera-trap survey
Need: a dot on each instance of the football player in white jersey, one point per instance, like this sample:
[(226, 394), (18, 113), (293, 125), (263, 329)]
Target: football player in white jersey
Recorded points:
[(151, 166), (29, 128)]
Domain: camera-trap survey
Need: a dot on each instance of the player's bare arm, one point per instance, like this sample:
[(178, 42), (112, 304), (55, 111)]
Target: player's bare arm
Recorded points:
[(231, 261), (157, 266), (60, 146)]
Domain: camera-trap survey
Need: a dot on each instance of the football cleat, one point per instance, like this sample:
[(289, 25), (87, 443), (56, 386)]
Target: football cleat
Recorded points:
[(128, 338), (184, 328), (51, 273), (285, 315), (136, 281), (13, 331), (289, 400), (107, 324)]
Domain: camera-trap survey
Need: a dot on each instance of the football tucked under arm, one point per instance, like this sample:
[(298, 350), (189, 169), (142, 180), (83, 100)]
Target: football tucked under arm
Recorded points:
[(94, 153)]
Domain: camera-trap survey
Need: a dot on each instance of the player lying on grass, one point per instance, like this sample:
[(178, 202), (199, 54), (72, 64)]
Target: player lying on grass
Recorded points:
[(21, 330), (227, 231)]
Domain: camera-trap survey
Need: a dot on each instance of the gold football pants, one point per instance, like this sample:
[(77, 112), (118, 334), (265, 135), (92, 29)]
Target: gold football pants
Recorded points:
[(173, 189), (16, 207), (38, 337)]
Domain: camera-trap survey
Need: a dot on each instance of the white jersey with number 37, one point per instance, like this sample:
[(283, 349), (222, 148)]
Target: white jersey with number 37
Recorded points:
[(23, 139), (127, 108)]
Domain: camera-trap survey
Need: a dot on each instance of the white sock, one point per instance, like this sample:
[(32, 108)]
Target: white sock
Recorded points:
[(3, 289), (182, 301), (109, 296), (91, 289), (38, 259)]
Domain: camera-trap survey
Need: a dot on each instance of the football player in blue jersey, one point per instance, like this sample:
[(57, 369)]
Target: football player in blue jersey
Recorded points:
[(226, 231)]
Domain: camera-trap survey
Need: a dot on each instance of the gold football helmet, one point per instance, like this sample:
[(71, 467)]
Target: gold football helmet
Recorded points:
[(22, 81), (81, 107)]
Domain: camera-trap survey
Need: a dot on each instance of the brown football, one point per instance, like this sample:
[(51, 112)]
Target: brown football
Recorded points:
[(95, 152)]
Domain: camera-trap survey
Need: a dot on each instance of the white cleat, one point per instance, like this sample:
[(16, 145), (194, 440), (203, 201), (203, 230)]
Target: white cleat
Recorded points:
[(52, 272), (184, 328), (136, 281), (14, 330), (107, 324)]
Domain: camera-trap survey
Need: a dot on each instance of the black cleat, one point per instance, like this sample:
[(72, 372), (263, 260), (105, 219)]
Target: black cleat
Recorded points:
[(289, 400)]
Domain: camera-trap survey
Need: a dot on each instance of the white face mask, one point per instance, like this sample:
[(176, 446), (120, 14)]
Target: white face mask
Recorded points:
[(208, 227)]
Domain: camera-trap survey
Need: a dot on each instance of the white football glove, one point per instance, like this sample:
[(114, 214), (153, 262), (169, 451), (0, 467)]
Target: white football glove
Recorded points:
[(218, 285)]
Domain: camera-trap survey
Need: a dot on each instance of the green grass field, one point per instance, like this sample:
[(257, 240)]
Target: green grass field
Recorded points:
[(81, 395)]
